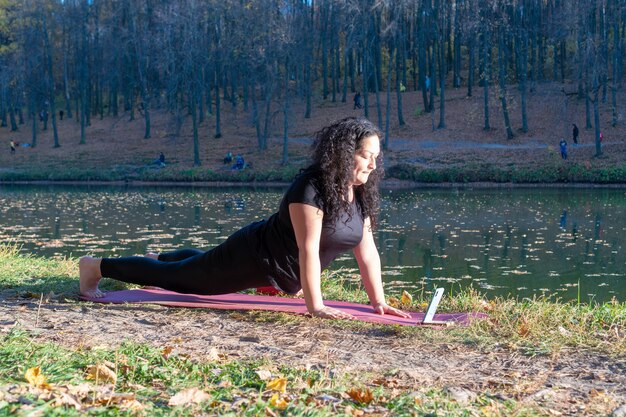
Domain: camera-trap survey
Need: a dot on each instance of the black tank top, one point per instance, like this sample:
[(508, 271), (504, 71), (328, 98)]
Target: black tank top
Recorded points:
[(274, 240)]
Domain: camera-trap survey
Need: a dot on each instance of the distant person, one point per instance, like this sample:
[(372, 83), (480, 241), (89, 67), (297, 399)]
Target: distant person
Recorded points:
[(357, 101), (43, 115), (575, 134), (427, 84), (228, 158), (563, 147), (240, 163), (601, 137), (13, 145), (160, 161), (61, 113)]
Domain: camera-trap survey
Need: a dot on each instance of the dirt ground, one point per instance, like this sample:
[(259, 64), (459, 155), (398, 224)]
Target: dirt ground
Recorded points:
[(567, 383), (552, 108)]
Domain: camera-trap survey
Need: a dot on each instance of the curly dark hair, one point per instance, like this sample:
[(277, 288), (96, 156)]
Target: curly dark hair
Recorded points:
[(333, 154)]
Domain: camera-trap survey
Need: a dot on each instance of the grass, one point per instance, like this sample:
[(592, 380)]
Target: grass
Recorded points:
[(556, 172), (147, 376), (552, 173)]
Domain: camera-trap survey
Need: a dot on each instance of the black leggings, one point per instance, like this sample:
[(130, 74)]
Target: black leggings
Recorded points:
[(227, 268)]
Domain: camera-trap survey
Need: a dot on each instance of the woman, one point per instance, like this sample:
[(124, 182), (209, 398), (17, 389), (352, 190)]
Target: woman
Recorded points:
[(330, 208)]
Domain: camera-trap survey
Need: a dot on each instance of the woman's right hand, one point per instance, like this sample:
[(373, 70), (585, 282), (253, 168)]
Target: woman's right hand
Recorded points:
[(332, 313)]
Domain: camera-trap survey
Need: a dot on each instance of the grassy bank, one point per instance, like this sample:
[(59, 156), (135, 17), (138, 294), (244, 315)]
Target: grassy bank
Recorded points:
[(139, 379), (470, 173), (549, 174)]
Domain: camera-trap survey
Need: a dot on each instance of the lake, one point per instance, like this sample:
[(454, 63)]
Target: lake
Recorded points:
[(519, 242)]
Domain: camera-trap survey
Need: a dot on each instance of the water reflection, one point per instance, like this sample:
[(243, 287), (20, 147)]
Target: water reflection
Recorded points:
[(520, 242)]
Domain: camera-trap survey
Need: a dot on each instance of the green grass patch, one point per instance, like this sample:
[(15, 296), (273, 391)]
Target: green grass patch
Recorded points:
[(555, 173), (146, 381)]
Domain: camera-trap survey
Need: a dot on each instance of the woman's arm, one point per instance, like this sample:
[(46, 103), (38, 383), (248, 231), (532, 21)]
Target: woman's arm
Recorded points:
[(368, 259), (307, 225)]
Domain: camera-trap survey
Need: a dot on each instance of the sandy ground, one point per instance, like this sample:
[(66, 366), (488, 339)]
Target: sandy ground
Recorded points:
[(568, 383)]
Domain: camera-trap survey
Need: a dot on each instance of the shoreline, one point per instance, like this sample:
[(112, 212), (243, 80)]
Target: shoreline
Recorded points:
[(391, 184)]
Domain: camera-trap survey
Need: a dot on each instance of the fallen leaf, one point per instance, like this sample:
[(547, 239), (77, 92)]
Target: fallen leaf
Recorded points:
[(189, 396), (65, 399), (406, 299), (215, 355), (166, 351), (393, 302), (523, 330), (36, 378), (386, 382), (101, 373), (225, 384), (361, 396), (278, 402), (351, 411), (278, 384), (270, 413), (264, 374)]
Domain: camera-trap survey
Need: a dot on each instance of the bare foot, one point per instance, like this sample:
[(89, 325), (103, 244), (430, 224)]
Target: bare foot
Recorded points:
[(152, 255), (89, 270)]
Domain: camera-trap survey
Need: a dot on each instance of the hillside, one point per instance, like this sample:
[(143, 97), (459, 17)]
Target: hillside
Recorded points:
[(116, 149)]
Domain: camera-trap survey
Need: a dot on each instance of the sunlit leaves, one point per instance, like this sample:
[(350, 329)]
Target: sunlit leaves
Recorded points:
[(278, 401), (189, 396), (36, 378), (101, 373), (360, 395), (406, 299), (278, 384)]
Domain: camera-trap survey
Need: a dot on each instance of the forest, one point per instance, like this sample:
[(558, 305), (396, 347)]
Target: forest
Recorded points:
[(99, 58)]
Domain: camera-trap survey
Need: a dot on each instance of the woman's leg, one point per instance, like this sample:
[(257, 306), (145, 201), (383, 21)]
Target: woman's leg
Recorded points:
[(178, 255), (229, 267)]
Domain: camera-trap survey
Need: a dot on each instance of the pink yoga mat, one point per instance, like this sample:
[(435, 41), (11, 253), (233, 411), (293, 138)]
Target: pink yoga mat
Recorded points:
[(239, 301)]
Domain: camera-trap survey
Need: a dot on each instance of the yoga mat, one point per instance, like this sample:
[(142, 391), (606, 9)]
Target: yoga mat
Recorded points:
[(239, 301)]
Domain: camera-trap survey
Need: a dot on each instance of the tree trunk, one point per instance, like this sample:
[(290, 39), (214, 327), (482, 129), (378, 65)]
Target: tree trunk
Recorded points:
[(285, 160), (218, 105), (486, 67), (388, 108), (471, 65), (193, 109), (398, 87), (596, 115), (502, 65)]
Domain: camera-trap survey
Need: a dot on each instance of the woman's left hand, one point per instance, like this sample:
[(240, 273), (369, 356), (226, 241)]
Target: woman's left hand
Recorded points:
[(383, 309)]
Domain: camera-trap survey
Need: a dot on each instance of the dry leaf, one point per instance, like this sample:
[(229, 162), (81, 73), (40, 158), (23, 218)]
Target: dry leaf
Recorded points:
[(278, 384), (214, 355), (65, 399), (166, 351), (278, 402), (351, 411), (36, 378), (189, 396), (264, 374), (101, 373), (523, 330), (362, 396), (386, 382), (393, 302), (406, 299)]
